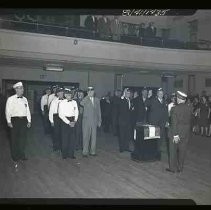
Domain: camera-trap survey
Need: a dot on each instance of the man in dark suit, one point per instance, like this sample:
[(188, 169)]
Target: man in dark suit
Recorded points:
[(142, 30), (140, 104), (104, 29), (158, 115), (179, 133), (115, 101), (78, 125), (91, 24), (105, 106), (151, 30), (124, 119)]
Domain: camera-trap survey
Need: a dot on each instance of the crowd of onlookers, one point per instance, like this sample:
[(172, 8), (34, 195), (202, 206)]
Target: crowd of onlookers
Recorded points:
[(201, 110), (114, 28)]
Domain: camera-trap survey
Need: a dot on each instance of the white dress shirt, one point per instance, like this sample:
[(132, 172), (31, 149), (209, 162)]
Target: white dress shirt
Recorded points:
[(17, 107), (44, 101), (68, 109), (54, 108), (144, 99), (92, 100), (50, 99), (170, 107), (161, 100)]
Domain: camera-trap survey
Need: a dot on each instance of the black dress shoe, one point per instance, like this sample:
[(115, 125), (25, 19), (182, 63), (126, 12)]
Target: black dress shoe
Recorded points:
[(85, 156), (169, 170), (73, 157)]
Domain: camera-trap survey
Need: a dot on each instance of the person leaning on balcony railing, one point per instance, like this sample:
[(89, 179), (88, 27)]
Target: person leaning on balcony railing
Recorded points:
[(104, 28), (142, 30), (115, 28), (91, 24), (151, 30)]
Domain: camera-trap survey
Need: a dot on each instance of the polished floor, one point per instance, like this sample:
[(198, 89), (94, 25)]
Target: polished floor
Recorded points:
[(109, 175)]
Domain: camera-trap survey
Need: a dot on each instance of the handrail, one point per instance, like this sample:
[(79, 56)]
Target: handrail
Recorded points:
[(41, 24)]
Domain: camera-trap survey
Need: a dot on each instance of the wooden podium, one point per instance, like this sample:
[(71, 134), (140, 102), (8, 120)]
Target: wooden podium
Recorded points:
[(146, 143)]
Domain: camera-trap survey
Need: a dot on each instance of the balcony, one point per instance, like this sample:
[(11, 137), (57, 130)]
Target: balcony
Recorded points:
[(74, 50)]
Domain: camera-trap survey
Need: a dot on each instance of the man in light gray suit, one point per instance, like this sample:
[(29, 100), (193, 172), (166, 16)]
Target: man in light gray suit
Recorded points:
[(91, 120)]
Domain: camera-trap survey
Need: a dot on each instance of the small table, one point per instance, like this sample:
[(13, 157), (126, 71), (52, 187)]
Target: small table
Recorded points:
[(146, 143)]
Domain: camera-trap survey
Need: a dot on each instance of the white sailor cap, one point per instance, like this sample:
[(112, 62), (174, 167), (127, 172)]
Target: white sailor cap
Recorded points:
[(18, 84), (67, 91), (90, 88), (181, 95), (160, 89)]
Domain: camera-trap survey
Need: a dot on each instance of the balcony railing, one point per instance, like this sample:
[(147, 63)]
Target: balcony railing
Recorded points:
[(82, 32)]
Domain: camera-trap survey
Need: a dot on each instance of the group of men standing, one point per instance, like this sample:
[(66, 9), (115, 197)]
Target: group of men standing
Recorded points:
[(73, 118), (173, 119), (114, 28), (69, 117)]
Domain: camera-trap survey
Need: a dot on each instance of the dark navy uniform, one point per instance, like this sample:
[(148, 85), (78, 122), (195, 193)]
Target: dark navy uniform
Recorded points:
[(115, 110), (180, 126), (124, 120)]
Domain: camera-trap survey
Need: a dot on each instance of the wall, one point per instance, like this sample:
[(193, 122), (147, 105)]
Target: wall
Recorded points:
[(200, 84), (103, 82), (142, 80), (180, 30)]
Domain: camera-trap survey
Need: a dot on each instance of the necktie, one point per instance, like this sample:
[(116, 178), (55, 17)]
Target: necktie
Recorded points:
[(47, 99), (92, 100), (128, 101), (58, 107), (60, 99), (20, 97)]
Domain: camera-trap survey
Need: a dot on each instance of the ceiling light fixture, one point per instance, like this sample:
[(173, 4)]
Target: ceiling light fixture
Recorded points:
[(54, 67)]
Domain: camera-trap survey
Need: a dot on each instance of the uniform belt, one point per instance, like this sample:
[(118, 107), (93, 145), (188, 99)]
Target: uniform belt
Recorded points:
[(56, 114), (71, 119), (22, 117)]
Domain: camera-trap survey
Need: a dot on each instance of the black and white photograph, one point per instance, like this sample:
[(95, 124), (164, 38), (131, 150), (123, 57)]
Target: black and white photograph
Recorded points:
[(105, 105)]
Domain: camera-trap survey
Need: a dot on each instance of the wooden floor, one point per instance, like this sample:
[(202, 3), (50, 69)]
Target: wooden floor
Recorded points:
[(109, 175)]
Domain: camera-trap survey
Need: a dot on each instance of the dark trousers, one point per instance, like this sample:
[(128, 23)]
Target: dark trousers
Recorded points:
[(57, 132), (106, 122), (79, 134), (177, 152), (46, 122), (18, 138), (115, 125), (124, 137), (68, 140)]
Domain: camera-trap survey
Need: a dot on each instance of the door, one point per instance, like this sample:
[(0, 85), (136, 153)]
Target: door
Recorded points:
[(191, 84)]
